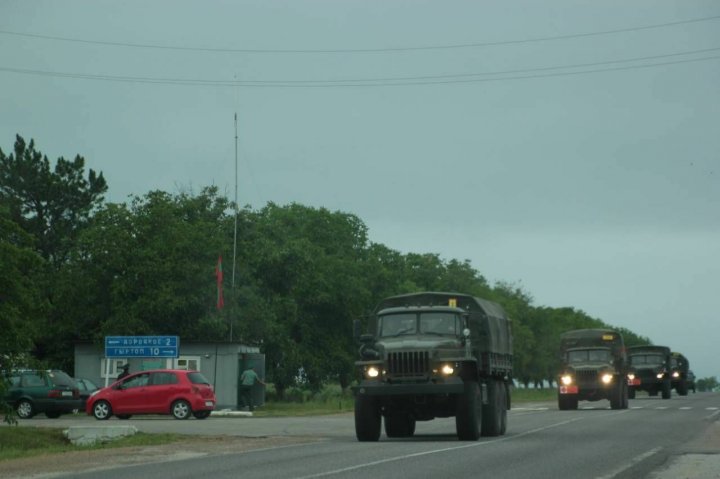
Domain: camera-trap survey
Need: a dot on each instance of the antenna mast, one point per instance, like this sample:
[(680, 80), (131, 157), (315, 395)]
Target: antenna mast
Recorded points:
[(236, 219)]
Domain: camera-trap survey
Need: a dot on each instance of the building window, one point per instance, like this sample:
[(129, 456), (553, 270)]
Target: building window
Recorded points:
[(115, 367), (188, 363)]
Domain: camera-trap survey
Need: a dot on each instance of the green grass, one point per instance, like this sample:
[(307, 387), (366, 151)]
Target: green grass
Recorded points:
[(331, 400), (17, 442)]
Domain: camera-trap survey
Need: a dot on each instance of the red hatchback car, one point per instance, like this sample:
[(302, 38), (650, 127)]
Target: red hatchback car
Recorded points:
[(161, 391)]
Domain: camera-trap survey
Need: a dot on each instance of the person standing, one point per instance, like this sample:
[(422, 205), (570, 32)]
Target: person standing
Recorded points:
[(125, 372), (248, 379)]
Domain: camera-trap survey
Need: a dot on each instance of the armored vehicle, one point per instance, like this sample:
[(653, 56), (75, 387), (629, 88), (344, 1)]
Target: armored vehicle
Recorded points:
[(434, 355), (594, 367), (650, 370), (679, 373)]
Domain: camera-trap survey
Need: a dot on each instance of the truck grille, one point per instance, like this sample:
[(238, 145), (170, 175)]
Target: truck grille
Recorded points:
[(585, 376), (408, 363)]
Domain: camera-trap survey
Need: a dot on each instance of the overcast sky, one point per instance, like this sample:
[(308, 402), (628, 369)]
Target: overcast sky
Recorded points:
[(571, 148)]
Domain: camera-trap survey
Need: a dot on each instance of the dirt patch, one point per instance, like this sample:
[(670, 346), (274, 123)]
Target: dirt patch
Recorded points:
[(51, 465)]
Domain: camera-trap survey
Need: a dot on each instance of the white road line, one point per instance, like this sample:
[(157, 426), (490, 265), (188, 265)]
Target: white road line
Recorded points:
[(661, 407), (712, 408), (638, 407), (685, 408), (712, 415), (446, 449), (630, 464)]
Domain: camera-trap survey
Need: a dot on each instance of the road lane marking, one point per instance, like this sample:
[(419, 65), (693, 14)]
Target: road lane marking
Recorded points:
[(638, 407), (630, 464), (661, 407), (446, 449), (712, 408), (685, 408), (712, 415)]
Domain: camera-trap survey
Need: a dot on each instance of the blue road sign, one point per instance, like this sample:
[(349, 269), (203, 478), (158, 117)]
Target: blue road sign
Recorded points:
[(142, 346)]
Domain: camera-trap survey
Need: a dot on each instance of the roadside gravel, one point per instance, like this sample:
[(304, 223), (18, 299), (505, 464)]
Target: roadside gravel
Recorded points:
[(53, 465)]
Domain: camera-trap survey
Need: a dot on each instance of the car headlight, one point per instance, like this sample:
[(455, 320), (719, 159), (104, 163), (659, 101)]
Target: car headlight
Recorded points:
[(631, 376), (447, 369), (660, 375), (606, 378), (372, 372), (676, 374), (566, 379)]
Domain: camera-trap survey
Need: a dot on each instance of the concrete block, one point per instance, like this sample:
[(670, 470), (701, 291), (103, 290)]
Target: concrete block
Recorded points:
[(89, 435)]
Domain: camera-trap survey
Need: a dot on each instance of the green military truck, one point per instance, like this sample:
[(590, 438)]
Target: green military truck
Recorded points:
[(434, 355), (679, 371), (650, 370), (594, 367)]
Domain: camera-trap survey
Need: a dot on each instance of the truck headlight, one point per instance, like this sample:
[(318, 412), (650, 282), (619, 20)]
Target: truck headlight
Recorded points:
[(372, 372), (566, 379), (447, 369), (606, 378), (676, 374), (631, 376), (660, 375)]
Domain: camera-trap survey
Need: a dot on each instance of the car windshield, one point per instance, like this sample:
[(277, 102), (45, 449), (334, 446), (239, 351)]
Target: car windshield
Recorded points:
[(655, 359), (437, 323), (588, 355)]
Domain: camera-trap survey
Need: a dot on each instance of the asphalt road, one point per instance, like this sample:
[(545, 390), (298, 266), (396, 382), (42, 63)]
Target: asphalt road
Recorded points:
[(541, 442)]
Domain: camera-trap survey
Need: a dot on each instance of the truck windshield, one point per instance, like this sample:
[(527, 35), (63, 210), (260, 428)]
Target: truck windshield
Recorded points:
[(637, 359), (588, 355), (429, 323)]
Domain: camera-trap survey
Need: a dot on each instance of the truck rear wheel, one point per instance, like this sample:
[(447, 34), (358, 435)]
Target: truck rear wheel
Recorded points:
[(567, 402), (399, 424), (492, 412), (626, 394), (666, 389), (367, 418), (468, 412)]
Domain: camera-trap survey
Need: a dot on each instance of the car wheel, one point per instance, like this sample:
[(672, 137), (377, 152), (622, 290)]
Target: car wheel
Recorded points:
[(201, 414), (102, 410), (25, 409), (181, 409), (124, 416)]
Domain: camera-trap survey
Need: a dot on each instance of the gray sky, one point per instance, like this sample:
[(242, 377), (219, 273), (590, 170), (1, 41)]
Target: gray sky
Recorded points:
[(568, 147)]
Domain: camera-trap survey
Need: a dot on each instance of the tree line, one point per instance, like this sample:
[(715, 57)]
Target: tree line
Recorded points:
[(75, 267)]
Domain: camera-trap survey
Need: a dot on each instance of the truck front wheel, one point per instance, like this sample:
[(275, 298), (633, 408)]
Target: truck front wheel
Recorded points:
[(468, 412), (567, 402), (666, 389), (367, 418)]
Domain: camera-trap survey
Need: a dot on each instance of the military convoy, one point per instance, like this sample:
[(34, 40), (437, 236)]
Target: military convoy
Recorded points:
[(434, 355), (594, 367), (650, 370)]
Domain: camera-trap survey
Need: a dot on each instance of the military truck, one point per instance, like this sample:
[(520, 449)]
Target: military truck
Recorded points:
[(650, 370), (594, 367), (679, 369), (434, 355)]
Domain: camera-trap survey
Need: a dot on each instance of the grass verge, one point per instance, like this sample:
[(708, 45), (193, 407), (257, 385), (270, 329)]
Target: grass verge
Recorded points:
[(17, 442)]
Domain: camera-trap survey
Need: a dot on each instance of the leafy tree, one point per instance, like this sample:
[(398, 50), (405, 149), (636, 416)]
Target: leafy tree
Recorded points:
[(21, 303), (707, 384), (51, 205)]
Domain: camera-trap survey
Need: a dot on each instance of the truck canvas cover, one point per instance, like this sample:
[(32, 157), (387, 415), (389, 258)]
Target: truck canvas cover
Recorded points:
[(489, 325)]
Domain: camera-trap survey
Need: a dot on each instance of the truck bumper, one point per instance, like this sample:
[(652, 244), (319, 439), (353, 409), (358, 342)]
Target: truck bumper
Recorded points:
[(377, 388)]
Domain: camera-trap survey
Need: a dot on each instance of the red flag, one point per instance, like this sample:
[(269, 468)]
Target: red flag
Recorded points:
[(219, 276)]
